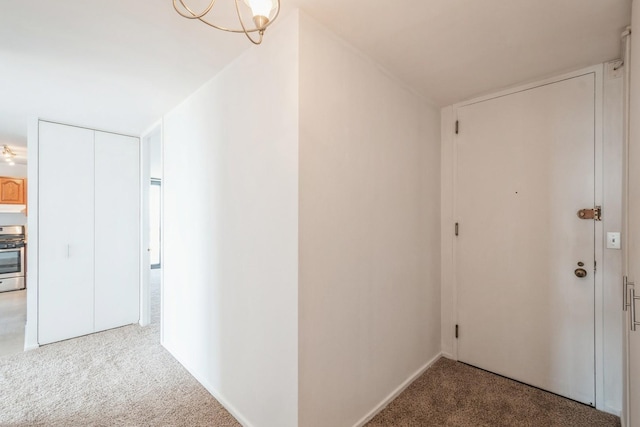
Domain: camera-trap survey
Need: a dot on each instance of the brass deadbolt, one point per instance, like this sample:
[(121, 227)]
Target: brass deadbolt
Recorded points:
[(595, 214)]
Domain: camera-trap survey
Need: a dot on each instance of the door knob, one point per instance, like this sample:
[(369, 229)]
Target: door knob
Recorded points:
[(581, 272)]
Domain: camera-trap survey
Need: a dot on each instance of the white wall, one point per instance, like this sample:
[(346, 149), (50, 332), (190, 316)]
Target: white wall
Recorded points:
[(369, 232), (31, 328), (10, 214), (612, 222), (231, 232), (359, 315), (631, 261), (15, 171), (155, 154)]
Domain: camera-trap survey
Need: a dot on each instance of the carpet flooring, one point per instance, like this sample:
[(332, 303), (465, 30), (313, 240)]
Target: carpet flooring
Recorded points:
[(454, 394), (124, 377), (13, 316), (121, 377)]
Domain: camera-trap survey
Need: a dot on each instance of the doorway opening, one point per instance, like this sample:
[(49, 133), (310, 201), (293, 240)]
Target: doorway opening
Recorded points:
[(155, 221)]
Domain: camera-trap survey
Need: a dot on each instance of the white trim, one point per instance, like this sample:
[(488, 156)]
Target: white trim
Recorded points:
[(520, 88), (448, 356), (145, 179), (447, 297), (202, 379), (599, 239), (31, 327), (614, 411), (56, 122), (625, 413), (155, 127), (454, 241), (395, 393), (162, 231)]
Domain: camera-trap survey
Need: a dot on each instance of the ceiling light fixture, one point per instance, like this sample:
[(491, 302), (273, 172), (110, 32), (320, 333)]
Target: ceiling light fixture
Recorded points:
[(8, 155), (264, 13)]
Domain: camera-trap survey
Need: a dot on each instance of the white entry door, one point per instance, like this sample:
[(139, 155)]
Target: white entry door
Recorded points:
[(525, 167)]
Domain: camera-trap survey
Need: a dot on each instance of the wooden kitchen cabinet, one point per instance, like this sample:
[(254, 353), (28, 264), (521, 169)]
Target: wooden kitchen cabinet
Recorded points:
[(12, 191)]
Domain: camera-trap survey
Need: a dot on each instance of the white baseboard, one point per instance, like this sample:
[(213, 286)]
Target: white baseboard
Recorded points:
[(448, 356), (30, 347), (30, 340), (212, 390), (395, 393), (613, 411)]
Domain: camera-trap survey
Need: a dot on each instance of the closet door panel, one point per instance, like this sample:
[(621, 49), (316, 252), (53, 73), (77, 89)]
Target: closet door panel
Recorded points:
[(117, 232), (66, 241)]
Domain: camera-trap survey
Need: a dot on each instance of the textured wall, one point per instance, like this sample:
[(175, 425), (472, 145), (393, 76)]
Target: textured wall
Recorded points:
[(231, 233), (369, 232)]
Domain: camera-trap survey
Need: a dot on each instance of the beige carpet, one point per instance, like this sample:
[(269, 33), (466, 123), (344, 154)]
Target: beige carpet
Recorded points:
[(455, 394), (13, 316), (123, 377), (120, 377)]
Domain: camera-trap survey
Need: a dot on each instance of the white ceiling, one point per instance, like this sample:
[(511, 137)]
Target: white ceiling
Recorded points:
[(120, 64)]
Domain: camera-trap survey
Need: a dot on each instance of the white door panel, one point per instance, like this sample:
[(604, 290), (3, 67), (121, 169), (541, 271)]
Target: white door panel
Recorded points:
[(634, 370), (117, 233), (65, 253), (631, 245), (632, 219), (525, 166), (633, 272)]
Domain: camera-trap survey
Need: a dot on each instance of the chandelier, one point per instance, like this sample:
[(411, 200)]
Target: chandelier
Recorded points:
[(264, 13), (8, 155)]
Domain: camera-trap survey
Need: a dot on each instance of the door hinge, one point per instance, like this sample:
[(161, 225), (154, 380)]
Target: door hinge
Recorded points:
[(456, 331), (457, 229), (457, 126)]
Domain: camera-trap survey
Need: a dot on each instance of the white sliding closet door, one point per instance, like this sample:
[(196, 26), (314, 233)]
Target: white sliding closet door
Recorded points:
[(66, 214), (117, 230)]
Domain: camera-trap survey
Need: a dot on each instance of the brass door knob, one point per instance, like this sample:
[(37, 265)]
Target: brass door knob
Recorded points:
[(581, 272)]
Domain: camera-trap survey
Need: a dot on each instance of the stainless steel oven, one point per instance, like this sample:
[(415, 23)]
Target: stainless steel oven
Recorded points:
[(12, 260)]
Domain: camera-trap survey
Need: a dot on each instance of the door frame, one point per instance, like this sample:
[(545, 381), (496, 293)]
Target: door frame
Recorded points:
[(157, 182), (145, 179), (449, 297), (154, 132)]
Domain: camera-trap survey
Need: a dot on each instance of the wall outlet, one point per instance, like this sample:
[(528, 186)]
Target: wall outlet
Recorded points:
[(613, 240)]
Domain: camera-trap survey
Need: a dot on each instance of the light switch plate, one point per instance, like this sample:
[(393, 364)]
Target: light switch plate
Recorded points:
[(613, 240)]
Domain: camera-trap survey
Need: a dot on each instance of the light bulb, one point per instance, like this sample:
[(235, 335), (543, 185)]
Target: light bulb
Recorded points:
[(261, 7)]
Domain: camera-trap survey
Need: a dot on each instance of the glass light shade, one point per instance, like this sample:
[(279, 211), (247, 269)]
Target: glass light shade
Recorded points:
[(261, 7)]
